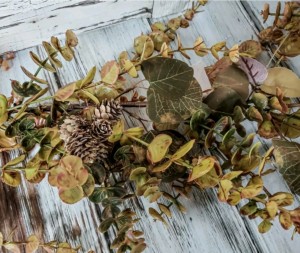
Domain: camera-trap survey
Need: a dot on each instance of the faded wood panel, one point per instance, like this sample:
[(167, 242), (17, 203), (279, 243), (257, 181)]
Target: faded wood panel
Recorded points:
[(209, 226), (163, 8), (27, 23)]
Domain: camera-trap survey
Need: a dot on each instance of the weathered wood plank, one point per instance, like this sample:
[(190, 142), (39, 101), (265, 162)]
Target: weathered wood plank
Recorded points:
[(27, 23)]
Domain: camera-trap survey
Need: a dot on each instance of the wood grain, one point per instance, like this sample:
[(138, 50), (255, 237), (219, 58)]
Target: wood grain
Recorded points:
[(209, 226)]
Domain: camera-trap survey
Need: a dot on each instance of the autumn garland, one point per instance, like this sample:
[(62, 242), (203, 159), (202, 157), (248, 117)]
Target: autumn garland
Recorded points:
[(86, 150)]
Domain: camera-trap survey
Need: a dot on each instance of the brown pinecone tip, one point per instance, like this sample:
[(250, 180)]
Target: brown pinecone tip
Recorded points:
[(87, 139)]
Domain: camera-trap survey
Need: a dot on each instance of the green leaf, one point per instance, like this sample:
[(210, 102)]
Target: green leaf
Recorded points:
[(15, 161), (169, 77), (223, 99), (183, 150), (100, 193), (264, 226), (234, 78), (40, 63), (290, 126), (173, 110), (287, 158), (65, 92), (71, 195), (25, 90), (158, 148)]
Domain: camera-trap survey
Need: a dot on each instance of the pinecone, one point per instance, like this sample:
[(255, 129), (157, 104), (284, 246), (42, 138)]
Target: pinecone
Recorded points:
[(87, 139)]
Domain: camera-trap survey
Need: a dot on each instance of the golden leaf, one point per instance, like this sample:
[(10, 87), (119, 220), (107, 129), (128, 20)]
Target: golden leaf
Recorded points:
[(110, 72), (32, 244), (234, 54), (158, 148), (203, 167)]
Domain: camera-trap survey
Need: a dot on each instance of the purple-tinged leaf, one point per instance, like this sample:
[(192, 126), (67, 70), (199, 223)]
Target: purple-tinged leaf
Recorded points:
[(257, 73)]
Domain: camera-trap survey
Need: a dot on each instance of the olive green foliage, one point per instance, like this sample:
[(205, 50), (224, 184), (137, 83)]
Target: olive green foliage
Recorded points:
[(187, 123)]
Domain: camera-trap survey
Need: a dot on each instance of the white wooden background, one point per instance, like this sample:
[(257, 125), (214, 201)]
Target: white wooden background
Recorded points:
[(209, 226)]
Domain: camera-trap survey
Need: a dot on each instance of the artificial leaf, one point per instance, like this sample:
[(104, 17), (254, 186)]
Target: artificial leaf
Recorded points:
[(40, 63), (272, 208), (3, 109), (290, 126), (156, 215), (110, 72), (117, 132), (253, 188), (32, 244), (71, 195), (225, 186), (250, 48), (200, 47), (203, 167), (11, 178), (223, 99), (12, 247), (257, 72), (264, 226), (287, 158), (173, 110), (169, 78), (89, 77), (282, 198), (234, 78), (283, 78), (32, 76), (65, 92), (285, 220), (183, 150)]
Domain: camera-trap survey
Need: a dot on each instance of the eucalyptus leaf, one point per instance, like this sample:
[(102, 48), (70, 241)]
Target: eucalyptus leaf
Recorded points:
[(163, 109), (169, 78), (287, 158)]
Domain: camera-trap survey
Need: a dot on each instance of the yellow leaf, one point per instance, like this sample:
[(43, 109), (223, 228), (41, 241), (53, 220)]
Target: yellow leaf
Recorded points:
[(158, 148), (117, 132), (183, 150), (129, 68), (66, 92), (110, 72), (232, 174), (282, 198), (32, 244), (89, 77), (11, 247), (165, 210), (200, 47), (283, 78), (234, 198), (3, 109), (71, 195), (285, 220), (11, 178), (90, 96), (234, 54), (224, 188), (203, 167), (162, 167), (253, 188), (264, 226), (272, 208)]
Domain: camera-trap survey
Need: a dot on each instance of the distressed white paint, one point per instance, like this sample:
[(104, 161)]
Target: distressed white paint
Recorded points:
[(27, 23), (209, 226)]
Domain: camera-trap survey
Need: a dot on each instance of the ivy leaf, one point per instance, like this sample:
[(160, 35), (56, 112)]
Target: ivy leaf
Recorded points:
[(173, 110), (287, 158), (169, 77)]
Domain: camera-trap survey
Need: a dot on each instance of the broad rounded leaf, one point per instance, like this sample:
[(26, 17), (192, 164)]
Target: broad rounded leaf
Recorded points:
[(204, 166), (110, 72), (285, 220), (264, 226), (71, 195), (158, 148), (32, 244), (173, 110), (283, 78), (287, 158), (224, 189), (169, 77)]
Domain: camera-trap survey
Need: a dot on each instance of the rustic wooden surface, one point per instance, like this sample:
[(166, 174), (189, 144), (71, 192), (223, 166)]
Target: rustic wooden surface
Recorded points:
[(208, 226)]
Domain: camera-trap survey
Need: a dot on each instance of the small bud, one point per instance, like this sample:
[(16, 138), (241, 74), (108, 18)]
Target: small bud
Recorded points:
[(184, 23), (260, 100), (254, 114), (189, 14)]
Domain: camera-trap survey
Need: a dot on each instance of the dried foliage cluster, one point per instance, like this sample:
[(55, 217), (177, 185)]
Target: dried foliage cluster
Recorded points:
[(80, 142)]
